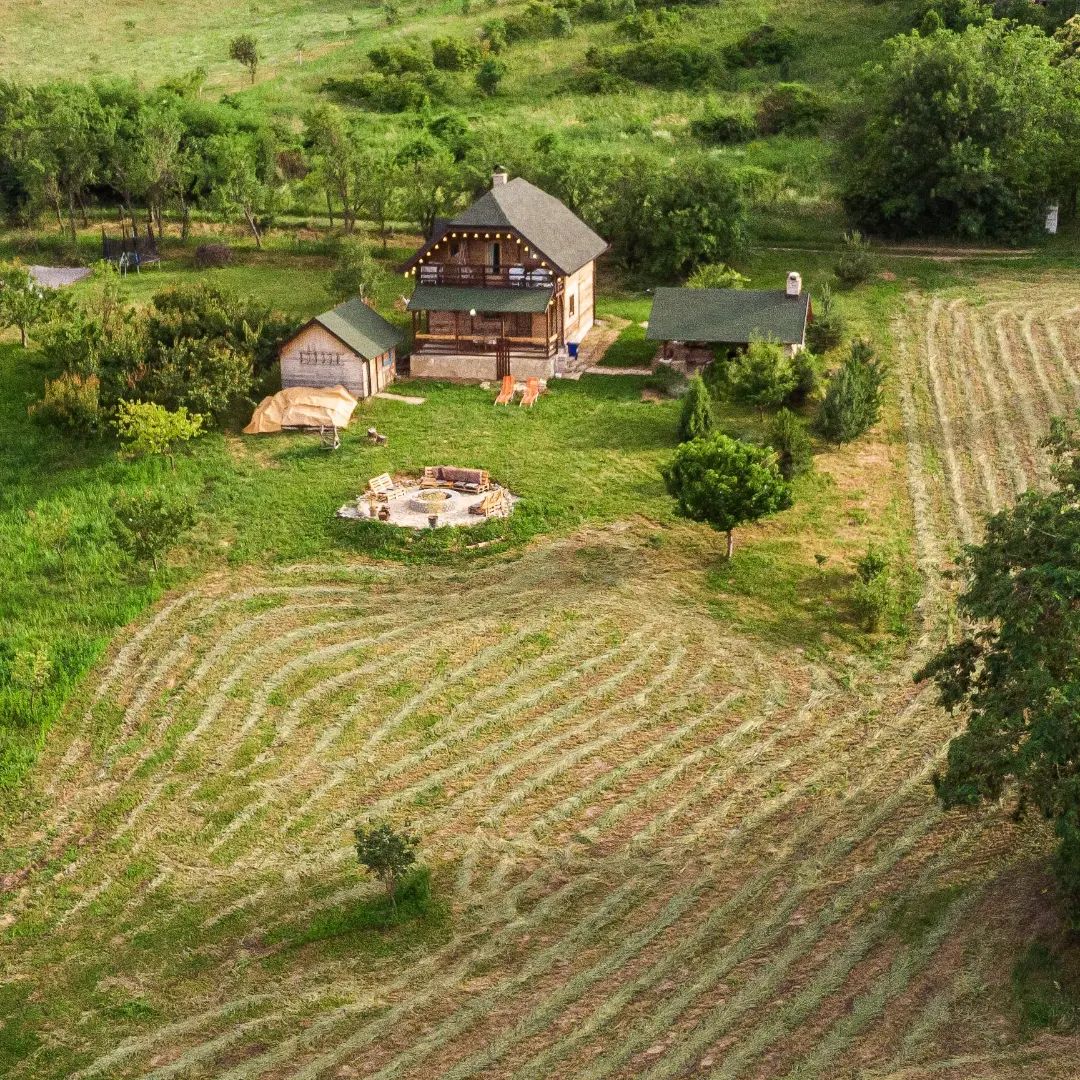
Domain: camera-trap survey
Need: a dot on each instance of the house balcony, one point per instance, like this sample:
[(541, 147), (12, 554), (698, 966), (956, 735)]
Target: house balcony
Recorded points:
[(497, 277)]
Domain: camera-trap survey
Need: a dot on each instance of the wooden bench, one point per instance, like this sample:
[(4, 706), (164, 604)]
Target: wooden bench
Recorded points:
[(494, 502), (471, 480), (383, 488)]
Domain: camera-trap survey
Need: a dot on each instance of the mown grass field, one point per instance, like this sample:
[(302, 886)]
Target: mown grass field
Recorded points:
[(677, 814)]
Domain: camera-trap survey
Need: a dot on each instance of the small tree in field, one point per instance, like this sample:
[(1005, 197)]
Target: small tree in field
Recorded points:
[(852, 403), (147, 428), (31, 672), (794, 451), (490, 75), (725, 483), (763, 376), (696, 421), (386, 853), (23, 302), (146, 523), (244, 49)]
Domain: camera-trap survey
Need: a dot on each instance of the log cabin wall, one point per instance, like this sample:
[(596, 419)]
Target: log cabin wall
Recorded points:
[(579, 302)]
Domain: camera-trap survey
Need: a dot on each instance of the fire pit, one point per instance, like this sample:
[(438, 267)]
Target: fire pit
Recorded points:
[(435, 501)]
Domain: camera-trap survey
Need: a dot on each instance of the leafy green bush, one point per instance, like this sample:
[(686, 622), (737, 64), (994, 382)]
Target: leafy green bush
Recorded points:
[(716, 276), (401, 59), (407, 92), (669, 65), (490, 74), (723, 127), (791, 109), (146, 523), (71, 402), (147, 428), (787, 435), (456, 53), (765, 45), (649, 25), (697, 419)]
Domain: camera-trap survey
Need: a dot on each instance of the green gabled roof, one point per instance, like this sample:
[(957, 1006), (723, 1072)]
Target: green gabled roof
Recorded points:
[(362, 328), (493, 301), (728, 316), (546, 223)]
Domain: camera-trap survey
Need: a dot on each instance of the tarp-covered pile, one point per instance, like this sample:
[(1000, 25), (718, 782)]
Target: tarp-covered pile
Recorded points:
[(302, 407)]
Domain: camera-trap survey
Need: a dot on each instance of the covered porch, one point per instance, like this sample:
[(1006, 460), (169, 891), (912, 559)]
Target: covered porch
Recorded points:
[(485, 322)]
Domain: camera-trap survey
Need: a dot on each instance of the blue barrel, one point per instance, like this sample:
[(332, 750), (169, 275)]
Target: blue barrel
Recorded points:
[(571, 348)]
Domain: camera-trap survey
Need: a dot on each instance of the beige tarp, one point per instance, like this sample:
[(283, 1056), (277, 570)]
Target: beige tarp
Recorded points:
[(302, 406)]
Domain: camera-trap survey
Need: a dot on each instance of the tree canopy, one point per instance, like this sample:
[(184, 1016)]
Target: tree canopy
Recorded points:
[(1016, 666), (724, 483), (969, 134)]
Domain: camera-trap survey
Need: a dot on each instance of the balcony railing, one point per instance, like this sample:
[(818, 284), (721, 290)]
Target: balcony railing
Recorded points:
[(491, 277), (475, 346)]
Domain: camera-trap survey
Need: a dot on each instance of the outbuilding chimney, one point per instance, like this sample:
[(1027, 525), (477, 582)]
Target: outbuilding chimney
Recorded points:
[(499, 176), (794, 283)]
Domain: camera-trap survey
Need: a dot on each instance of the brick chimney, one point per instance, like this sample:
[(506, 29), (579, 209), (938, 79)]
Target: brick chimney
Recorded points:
[(794, 283), (499, 176)]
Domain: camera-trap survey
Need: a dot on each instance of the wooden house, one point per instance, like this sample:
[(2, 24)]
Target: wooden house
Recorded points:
[(691, 323), (351, 346), (503, 288)]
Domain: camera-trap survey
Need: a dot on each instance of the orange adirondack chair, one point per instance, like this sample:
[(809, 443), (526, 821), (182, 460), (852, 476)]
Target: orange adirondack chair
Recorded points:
[(506, 394)]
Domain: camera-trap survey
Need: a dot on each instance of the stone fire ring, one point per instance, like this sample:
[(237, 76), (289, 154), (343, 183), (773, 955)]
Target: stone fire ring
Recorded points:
[(432, 501)]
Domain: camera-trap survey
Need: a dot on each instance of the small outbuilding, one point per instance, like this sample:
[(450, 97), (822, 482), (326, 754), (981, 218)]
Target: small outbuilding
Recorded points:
[(691, 323), (351, 346)]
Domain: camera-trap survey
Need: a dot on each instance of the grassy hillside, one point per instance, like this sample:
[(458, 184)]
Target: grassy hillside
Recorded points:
[(540, 96)]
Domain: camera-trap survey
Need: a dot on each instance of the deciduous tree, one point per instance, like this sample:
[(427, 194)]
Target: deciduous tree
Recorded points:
[(244, 49), (387, 853), (1014, 669), (725, 483)]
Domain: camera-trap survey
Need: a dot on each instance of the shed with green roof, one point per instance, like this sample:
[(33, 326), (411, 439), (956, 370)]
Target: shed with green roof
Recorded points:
[(732, 317), (351, 345)]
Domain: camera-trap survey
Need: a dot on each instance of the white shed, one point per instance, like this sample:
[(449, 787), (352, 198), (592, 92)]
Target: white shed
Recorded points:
[(351, 346)]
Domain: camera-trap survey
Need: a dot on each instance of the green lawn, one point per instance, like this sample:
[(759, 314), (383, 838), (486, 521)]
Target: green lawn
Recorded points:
[(588, 452)]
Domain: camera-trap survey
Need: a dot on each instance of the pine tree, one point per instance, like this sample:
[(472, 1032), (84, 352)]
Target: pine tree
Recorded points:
[(763, 376), (789, 438), (852, 403), (697, 419)]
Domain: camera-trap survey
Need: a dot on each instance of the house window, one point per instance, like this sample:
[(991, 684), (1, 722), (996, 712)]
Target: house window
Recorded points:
[(573, 304), (455, 247), (496, 256)]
